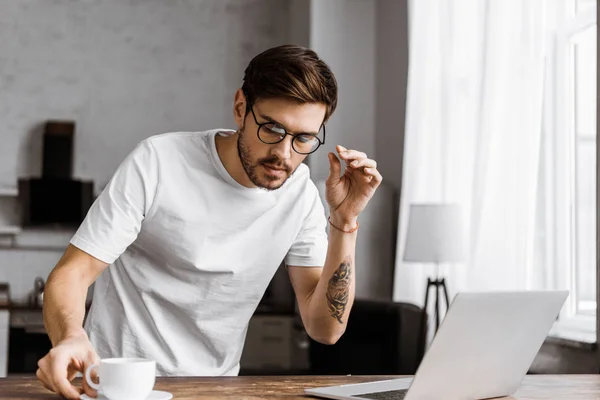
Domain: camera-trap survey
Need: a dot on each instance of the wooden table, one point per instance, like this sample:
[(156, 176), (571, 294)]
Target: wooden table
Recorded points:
[(547, 387)]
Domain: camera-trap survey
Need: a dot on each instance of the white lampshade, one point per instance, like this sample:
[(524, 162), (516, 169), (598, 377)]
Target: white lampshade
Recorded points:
[(435, 234)]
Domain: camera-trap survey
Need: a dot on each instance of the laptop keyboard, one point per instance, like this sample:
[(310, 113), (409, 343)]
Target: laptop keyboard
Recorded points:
[(390, 395)]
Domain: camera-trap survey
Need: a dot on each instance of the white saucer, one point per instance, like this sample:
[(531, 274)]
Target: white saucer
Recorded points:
[(155, 395)]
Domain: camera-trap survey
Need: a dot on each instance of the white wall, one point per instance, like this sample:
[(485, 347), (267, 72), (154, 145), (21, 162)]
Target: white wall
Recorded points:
[(123, 70), (300, 26), (392, 75), (343, 34), (20, 267)]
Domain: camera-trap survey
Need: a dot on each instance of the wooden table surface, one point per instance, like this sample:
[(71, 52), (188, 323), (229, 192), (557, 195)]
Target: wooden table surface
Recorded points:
[(534, 387)]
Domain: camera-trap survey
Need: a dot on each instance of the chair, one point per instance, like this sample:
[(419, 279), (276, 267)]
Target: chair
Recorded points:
[(382, 338)]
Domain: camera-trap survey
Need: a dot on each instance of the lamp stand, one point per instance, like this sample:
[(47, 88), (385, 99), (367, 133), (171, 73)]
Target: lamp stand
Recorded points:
[(438, 284)]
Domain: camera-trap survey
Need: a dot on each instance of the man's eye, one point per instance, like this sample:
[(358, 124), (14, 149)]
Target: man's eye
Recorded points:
[(275, 129), (306, 139)]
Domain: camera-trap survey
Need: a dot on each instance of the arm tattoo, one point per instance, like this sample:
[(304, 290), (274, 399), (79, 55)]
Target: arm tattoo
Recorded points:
[(338, 289)]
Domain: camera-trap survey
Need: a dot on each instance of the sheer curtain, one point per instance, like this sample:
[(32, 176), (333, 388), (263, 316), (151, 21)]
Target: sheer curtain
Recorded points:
[(473, 129)]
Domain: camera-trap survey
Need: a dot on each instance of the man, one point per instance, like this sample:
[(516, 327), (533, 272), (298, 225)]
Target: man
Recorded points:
[(196, 224)]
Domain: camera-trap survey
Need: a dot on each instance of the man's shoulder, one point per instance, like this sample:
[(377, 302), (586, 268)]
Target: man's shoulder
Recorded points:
[(180, 137), (182, 143)]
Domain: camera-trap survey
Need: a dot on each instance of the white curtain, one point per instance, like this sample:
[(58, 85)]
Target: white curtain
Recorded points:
[(473, 129)]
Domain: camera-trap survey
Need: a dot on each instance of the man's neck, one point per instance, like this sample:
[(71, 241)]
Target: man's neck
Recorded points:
[(229, 156)]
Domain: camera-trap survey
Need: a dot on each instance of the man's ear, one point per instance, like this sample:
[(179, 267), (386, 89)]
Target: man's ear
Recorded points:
[(239, 108)]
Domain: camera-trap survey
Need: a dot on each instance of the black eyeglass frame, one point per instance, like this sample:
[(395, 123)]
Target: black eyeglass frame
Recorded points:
[(286, 133)]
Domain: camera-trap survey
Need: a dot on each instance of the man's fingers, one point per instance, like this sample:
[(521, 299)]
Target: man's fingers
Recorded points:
[(348, 155), (90, 391), (352, 155), (377, 178), (64, 387), (363, 162), (41, 375), (367, 178), (334, 166), (59, 366)]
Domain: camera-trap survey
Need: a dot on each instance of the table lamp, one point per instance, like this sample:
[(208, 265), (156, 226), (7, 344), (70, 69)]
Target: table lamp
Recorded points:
[(435, 236)]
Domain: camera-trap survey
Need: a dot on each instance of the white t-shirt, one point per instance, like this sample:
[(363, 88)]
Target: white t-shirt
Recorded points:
[(192, 252)]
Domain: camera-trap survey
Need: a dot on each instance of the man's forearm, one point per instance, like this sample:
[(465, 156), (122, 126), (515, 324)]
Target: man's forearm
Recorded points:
[(333, 297), (64, 303)]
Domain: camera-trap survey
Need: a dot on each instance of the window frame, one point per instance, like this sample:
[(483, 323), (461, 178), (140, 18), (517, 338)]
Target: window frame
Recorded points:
[(560, 165)]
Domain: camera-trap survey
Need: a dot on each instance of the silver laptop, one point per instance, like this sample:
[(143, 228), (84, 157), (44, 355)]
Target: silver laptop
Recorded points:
[(483, 349)]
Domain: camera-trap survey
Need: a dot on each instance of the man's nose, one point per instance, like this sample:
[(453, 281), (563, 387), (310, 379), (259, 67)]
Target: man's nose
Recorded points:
[(283, 149)]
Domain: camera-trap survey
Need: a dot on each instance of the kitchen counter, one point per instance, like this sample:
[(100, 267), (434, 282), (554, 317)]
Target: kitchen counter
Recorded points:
[(19, 307), (548, 387), (28, 316)]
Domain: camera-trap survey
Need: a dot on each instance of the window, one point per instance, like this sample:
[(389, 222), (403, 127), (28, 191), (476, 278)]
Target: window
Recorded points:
[(567, 223), (580, 6), (584, 96)]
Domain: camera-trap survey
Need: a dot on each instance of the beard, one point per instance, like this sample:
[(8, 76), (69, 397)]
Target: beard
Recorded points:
[(253, 167)]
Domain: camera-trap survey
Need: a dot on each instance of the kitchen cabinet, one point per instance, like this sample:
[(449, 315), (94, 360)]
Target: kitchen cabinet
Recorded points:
[(275, 344), (28, 339)]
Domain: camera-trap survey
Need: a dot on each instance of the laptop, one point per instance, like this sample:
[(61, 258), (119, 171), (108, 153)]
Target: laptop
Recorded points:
[(483, 349)]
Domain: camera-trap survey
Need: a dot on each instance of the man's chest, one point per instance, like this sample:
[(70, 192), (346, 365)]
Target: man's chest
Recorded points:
[(220, 235)]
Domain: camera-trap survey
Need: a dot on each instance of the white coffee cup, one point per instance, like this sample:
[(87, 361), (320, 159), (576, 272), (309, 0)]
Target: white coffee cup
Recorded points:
[(123, 378)]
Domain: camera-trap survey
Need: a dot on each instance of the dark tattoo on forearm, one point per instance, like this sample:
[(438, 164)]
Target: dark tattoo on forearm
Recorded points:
[(338, 289)]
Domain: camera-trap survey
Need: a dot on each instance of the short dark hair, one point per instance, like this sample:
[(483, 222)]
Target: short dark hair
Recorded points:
[(290, 71)]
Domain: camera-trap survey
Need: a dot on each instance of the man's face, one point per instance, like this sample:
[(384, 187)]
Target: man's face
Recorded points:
[(269, 165)]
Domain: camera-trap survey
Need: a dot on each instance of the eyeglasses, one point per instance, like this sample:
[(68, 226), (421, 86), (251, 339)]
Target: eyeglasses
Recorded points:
[(302, 143)]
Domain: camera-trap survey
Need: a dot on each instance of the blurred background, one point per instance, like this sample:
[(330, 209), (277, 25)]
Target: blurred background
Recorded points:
[(481, 115)]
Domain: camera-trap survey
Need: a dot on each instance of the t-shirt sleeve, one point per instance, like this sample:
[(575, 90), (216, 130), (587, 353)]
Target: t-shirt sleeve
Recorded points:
[(310, 247), (115, 218)]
